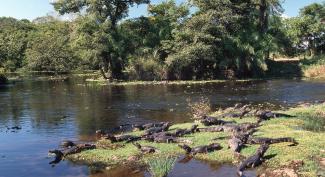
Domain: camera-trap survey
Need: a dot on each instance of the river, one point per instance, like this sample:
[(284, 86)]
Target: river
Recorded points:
[(50, 112)]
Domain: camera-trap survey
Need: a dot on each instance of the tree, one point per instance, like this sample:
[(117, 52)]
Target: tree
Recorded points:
[(267, 8), (307, 30), (314, 16), (105, 14), (221, 36), (48, 48), (13, 42)]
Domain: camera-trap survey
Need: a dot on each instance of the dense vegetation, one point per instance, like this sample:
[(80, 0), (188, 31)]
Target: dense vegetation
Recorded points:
[(196, 40)]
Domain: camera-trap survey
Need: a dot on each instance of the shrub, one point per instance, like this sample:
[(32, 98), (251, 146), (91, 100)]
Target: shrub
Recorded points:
[(315, 71), (314, 66), (161, 166), (200, 108), (145, 69), (3, 79)]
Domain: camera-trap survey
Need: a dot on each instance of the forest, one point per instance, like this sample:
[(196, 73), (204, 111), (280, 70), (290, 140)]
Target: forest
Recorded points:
[(196, 40)]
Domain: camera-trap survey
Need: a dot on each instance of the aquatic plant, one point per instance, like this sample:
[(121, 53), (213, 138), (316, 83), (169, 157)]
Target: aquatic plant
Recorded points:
[(161, 166), (200, 108)]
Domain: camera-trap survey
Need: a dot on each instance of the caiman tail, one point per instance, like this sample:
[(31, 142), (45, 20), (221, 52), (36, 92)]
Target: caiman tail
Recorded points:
[(187, 148), (137, 145), (285, 139)]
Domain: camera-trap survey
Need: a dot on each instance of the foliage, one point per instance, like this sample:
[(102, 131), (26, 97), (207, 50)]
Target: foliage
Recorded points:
[(48, 48), (145, 69), (13, 42), (104, 16), (200, 108), (307, 30), (161, 166), (216, 39), (222, 35), (3, 79)]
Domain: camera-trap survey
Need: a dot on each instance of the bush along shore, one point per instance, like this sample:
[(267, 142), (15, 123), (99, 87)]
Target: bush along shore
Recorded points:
[(276, 143), (3, 79)]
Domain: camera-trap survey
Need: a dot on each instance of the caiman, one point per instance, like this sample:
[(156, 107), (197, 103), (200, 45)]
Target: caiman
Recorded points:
[(153, 130), (67, 144), (182, 132), (254, 160), (238, 140), (148, 125), (261, 140), (60, 154), (120, 138), (217, 128), (200, 149), (145, 149), (208, 121), (267, 115)]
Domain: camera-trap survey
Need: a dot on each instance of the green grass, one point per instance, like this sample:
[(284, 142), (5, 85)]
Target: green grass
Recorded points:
[(161, 166), (310, 148)]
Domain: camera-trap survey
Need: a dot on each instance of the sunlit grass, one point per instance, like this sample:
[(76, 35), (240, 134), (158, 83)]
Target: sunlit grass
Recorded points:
[(310, 147)]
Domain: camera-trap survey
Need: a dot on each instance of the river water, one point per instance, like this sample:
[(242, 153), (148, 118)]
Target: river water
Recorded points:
[(50, 112)]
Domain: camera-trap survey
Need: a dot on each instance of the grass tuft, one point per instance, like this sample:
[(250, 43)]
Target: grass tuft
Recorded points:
[(200, 108), (313, 121), (161, 166)]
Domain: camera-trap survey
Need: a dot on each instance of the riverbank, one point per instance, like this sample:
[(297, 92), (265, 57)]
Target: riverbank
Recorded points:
[(308, 68), (309, 151), (314, 67), (178, 82)]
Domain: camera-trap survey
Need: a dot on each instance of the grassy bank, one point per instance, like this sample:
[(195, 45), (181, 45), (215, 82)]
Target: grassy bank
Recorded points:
[(313, 67), (310, 149)]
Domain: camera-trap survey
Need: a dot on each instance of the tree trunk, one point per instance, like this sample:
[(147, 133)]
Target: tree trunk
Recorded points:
[(105, 69), (263, 16)]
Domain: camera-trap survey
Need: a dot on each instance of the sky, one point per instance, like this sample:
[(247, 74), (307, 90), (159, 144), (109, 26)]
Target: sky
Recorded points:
[(31, 9)]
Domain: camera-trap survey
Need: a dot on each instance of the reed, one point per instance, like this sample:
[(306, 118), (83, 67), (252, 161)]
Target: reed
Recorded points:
[(161, 166)]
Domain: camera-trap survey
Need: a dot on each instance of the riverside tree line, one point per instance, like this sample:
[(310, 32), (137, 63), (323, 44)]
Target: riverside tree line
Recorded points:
[(192, 40)]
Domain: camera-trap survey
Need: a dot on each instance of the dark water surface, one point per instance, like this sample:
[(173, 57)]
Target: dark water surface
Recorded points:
[(50, 112)]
